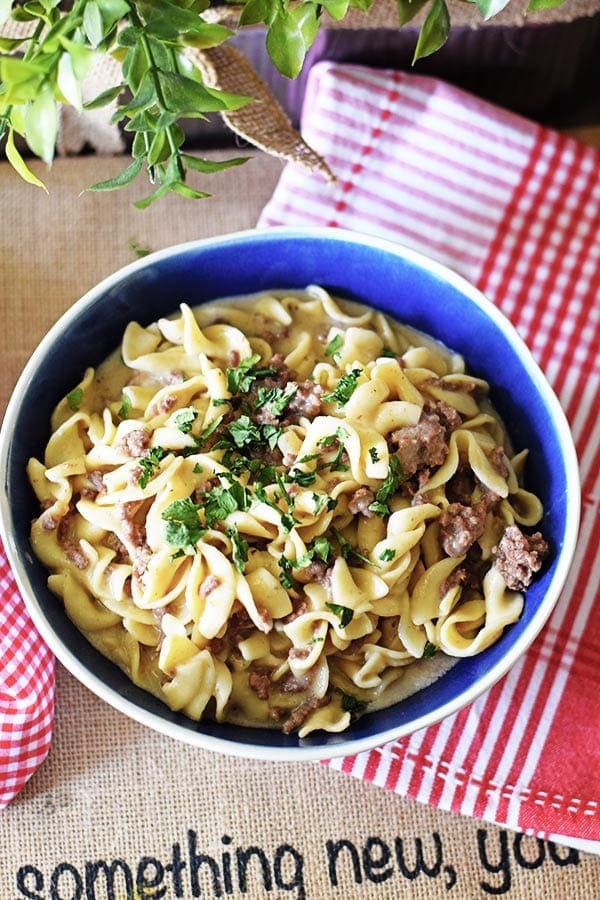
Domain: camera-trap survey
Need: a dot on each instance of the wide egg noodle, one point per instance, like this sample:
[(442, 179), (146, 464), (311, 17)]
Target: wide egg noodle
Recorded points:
[(314, 583)]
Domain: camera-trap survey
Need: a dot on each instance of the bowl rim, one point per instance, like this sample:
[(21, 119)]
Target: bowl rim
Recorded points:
[(343, 746)]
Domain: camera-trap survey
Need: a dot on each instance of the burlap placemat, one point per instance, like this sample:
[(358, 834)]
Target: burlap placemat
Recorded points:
[(118, 811)]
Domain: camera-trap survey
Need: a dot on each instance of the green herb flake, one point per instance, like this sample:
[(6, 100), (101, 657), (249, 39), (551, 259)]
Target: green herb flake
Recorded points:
[(75, 398), (304, 479), (322, 548), (344, 388), (333, 347), (344, 613), (149, 464), (239, 548), (374, 454), (125, 407), (221, 501), (197, 470), (185, 418), (210, 429), (393, 480), (183, 527), (347, 550), (275, 398), (335, 464), (241, 378), (244, 431), (352, 704), (429, 650), (387, 555)]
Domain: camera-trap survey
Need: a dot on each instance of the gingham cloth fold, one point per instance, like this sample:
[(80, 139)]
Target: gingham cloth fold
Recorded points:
[(26, 690), (516, 209)]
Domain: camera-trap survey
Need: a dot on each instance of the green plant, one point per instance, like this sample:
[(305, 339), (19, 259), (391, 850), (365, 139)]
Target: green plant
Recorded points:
[(159, 86)]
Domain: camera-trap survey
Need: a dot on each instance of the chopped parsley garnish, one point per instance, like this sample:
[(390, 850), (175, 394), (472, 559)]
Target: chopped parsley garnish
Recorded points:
[(374, 454), (333, 347), (271, 434), (322, 548), (125, 407), (239, 548), (210, 429), (284, 577), (344, 388), (149, 464), (242, 377), (339, 437), (347, 550), (287, 520), (185, 418), (221, 501), (429, 650), (387, 555), (74, 398), (352, 704), (387, 351), (394, 479), (275, 398), (244, 431), (197, 470), (344, 613), (183, 528), (304, 479)]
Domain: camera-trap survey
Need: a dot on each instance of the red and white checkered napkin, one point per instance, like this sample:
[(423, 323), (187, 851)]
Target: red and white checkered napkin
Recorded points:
[(26, 690), (515, 209)]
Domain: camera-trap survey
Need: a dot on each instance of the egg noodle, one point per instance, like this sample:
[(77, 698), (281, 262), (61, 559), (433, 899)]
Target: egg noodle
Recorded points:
[(282, 510)]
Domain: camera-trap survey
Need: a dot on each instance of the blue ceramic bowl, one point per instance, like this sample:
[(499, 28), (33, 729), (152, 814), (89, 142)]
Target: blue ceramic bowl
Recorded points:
[(395, 280)]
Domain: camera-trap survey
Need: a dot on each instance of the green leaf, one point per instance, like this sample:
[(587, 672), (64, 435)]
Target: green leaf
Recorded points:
[(434, 31), (535, 5), (307, 20), (157, 147), (190, 193), (118, 181), (490, 8), (92, 23), (186, 97), (7, 45), (208, 34), (41, 124), (408, 9), (255, 11), (105, 97), (208, 166), (285, 44), (68, 84), (18, 163), (113, 10), (337, 9), (161, 11), (165, 188)]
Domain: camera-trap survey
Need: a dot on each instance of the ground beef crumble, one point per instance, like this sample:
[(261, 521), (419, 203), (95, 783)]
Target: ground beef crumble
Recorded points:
[(519, 556), (461, 526), (420, 446)]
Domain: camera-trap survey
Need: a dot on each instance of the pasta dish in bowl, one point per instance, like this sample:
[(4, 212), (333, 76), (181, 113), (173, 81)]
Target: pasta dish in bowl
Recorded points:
[(292, 515)]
